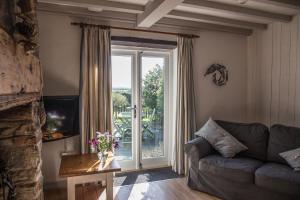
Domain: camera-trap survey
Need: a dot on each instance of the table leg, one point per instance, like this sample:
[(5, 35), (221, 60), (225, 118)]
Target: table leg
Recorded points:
[(71, 189), (109, 186)]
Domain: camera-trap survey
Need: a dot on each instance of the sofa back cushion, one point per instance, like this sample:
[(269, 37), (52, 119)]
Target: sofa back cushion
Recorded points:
[(254, 136), (282, 138)]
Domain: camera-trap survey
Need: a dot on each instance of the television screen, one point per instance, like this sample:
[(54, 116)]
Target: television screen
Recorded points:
[(62, 117)]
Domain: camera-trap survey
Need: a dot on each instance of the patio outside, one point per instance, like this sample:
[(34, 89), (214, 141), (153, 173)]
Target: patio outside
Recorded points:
[(151, 119)]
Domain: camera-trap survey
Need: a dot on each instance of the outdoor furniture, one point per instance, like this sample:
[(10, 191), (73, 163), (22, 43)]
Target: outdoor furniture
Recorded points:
[(122, 126)]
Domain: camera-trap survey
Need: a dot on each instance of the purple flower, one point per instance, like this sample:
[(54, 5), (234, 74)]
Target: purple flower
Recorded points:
[(103, 142), (115, 144), (94, 142), (107, 134)]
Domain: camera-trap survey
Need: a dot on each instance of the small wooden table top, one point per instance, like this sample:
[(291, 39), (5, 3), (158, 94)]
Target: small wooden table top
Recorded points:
[(85, 164)]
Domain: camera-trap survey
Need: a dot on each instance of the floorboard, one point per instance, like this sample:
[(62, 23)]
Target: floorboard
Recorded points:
[(173, 189)]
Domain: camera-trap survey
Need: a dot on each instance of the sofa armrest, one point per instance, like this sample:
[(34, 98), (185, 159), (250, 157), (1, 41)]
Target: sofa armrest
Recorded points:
[(197, 149)]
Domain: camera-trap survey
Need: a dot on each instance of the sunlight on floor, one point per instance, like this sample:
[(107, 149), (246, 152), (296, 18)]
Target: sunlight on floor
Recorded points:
[(138, 191), (160, 190), (173, 189), (142, 192)]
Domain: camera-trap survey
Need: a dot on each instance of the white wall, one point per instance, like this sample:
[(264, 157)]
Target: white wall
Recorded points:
[(59, 52), (60, 55), (273, 71), (51, 154), (227, 102)]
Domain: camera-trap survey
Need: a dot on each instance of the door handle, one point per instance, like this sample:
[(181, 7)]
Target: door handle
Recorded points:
[(134, 108)]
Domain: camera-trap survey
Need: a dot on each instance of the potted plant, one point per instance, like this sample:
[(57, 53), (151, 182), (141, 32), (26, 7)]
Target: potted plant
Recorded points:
[(103, 143)]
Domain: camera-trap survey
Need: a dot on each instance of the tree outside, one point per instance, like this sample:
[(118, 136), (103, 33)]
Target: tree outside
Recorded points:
[(153, 89), (152, 112), (119, 100), (153, 115)]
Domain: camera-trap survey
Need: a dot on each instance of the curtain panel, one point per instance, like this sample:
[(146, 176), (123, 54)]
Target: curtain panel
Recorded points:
[(95, 84), (185, 108)]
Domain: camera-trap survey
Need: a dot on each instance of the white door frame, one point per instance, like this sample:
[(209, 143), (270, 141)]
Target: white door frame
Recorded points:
[(158, 161), (131, 164), (136, 85)]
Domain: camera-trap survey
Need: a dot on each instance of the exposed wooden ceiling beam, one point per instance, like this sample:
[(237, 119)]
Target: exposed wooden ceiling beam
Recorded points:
[(112, 17), (238, 10), (203, 26), (292, 4), (214, 19), (156, 10), (81, 12), (281, 2), (111, 6), (103, 4)]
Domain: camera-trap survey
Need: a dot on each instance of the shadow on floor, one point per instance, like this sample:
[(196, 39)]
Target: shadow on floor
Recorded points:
[(130, 178)]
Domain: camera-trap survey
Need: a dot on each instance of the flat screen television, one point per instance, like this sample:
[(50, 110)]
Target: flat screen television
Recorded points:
[(62, 119)]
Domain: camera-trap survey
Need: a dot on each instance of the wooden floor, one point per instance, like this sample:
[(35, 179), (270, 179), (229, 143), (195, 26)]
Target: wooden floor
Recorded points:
[(172, 189)]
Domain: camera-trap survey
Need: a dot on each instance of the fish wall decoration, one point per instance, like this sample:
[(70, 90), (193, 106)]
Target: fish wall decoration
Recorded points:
[(220, 74)]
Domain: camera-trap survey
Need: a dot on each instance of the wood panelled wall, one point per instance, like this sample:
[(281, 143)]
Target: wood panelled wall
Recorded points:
[(273, 71)]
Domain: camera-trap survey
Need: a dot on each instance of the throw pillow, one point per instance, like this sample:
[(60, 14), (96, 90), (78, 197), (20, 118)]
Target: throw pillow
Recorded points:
[(227, 145), (292, 157)]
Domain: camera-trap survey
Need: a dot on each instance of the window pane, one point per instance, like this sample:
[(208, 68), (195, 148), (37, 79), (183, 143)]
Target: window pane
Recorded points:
[(152, 119), (122, 100)]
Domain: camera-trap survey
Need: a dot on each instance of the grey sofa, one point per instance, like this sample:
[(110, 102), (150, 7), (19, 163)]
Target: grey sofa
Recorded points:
[(256, 174)]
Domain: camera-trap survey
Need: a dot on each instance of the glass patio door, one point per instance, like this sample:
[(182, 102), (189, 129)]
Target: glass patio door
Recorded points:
[(124, 102), (139, 94), (153, 98)]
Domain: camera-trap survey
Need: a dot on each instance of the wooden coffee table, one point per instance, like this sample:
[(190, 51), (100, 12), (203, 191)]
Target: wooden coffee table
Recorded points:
[(85, 168)]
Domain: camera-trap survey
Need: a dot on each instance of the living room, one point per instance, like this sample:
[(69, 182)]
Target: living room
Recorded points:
[(162, 99)]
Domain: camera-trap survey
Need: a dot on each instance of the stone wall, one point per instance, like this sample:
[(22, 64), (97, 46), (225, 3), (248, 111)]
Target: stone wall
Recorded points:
[(20, 147), (20, 69), (20, 90), (20, 74)]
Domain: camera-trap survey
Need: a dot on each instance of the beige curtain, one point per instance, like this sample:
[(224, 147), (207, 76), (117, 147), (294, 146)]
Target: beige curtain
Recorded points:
[(95, 84), (185, 108)]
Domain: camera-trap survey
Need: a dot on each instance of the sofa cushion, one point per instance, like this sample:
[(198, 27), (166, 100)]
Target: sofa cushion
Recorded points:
[(292, 157), (238, 169), (278, 177), (282, 138), (220, 139), (254, 136)]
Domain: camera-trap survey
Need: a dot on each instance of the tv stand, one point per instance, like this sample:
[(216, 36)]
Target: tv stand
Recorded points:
[(55, 136)]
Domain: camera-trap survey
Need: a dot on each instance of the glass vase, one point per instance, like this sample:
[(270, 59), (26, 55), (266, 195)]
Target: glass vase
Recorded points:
[(102, 156)]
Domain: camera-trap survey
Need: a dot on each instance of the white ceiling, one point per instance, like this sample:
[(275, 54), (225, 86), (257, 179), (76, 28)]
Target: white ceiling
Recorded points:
[(275, 9), (261, 5), (255, 4), (222, 14)]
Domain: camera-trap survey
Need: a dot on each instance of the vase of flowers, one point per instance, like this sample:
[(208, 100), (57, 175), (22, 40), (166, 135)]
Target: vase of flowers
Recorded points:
[(103, 143)]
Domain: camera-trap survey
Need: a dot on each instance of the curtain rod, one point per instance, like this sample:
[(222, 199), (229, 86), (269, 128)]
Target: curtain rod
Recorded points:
[(134, 29)]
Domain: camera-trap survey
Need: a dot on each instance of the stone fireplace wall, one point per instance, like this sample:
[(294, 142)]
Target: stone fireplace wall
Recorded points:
[(20, 147), (20, 91)]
